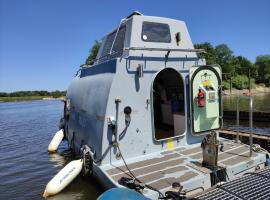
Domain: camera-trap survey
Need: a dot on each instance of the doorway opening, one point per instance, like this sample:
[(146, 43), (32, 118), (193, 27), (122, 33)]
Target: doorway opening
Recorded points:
[(168, 104)]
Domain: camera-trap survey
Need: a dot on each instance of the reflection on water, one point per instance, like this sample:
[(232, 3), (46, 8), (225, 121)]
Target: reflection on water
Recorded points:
[(260, 102), (26, 129), (61, 158), (258, 127)]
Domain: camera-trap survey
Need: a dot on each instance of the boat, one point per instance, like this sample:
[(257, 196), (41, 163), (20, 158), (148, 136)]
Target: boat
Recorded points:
[(146, 115)]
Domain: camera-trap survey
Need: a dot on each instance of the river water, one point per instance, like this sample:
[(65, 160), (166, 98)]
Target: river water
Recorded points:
[(26, 129), (261, 103)]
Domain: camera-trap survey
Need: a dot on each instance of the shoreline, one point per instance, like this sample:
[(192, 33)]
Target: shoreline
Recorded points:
[(256, 91), (259, 90), (28, 98)]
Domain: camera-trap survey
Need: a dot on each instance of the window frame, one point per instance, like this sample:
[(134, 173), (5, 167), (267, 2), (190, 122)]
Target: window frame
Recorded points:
[(144, 22), (104, 57)]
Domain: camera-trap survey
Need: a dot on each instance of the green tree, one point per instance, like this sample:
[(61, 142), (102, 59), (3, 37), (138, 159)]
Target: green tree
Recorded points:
[(242, 82), (246, 66), (93, 53), (263, 65), (3, 94), (56, 94), (234, 66), (210, 54), (224, 57)]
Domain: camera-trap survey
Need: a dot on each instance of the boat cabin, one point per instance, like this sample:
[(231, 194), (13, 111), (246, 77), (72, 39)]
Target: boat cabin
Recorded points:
[(150, 100)]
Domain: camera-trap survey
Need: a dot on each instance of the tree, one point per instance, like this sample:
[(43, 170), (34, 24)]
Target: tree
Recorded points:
[(246, 66), (3, 94), (56, 94), (263, 65), (210, 54), (224, 57), (234, 66), (93, 53)]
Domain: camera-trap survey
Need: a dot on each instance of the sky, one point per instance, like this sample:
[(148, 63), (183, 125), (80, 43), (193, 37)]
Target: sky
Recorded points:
[(43, 42)]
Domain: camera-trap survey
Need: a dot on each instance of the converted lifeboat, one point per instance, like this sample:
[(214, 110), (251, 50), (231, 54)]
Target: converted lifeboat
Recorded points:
[(146, 115)]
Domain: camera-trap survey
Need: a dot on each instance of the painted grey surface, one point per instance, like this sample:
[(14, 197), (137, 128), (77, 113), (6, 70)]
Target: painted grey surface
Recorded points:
[(93, 93), (88, 99)]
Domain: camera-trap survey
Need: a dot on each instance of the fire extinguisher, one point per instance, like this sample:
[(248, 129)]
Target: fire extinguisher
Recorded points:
[(201, 98)]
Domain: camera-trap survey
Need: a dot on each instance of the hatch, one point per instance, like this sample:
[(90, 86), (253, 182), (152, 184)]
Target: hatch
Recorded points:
[(169, 118), (205, 98)]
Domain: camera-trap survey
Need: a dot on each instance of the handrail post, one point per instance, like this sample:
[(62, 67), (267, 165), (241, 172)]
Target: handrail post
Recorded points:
[(237, 119), (250, 124)]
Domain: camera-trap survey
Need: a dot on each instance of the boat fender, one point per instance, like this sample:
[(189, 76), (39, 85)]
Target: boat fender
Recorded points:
[(63, 178), (57, 138)]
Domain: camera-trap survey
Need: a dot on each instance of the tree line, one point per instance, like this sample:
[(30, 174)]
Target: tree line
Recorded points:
[(42, 93), (236, 68)]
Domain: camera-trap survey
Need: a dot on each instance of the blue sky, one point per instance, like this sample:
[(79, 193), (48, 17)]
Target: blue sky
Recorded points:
[(42, 43)]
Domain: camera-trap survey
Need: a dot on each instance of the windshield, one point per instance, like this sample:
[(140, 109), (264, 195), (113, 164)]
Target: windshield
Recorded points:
[(117, 46), (156, 32)]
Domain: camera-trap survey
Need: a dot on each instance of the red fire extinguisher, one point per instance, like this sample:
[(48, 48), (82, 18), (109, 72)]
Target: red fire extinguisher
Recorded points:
[(201, 98)]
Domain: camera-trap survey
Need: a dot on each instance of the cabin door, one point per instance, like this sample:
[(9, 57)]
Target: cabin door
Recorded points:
[(205, 98), (168, 104)]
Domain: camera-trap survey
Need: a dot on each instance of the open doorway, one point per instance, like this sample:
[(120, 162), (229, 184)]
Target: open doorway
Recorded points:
[(168, 104)]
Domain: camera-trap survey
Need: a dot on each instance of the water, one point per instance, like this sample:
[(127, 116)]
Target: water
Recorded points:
[(26, 129), (260, 104)]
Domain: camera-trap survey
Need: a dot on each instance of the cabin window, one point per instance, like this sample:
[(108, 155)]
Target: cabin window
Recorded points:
[(118, 45), (156, 32), (168, 105)]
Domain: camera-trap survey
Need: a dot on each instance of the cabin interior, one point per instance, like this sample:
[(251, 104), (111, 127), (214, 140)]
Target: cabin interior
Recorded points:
[(168, 104)]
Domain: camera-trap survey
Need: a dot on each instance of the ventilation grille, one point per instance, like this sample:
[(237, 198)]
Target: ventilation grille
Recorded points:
[(250, 186)]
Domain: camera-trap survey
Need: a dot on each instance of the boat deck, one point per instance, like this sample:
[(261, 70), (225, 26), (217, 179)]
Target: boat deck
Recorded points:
[(184, 165)]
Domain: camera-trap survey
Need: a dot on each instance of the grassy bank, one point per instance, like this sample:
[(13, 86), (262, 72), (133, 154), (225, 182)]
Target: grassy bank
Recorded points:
[(27, 98), (255, 91)]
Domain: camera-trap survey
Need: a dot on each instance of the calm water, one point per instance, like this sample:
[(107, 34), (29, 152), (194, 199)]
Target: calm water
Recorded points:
[(261, 102), (26, 129)]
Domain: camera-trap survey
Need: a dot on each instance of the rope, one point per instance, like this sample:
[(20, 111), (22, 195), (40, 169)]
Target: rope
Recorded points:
[(259, 149), (135, 178)]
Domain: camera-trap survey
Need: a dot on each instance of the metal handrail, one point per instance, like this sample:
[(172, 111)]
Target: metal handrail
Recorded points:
[(249, 98), (164, 49), (148, 49)]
